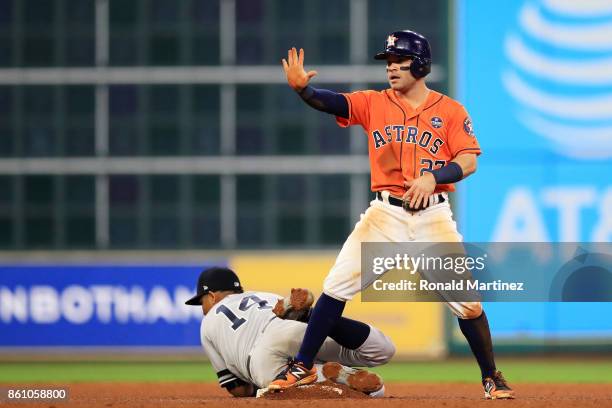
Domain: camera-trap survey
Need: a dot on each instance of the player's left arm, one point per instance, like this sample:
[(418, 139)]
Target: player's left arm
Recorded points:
[(468, 164), (456, 170), (464, 149)]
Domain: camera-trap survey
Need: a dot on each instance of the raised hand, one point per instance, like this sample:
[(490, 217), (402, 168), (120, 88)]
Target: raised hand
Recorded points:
[(297, 77)]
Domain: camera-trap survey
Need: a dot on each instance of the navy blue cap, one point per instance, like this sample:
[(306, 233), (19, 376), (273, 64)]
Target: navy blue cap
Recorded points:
[(215, 279)]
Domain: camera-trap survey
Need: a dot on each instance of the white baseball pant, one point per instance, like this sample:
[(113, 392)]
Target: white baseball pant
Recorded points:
[(282, 339), (383, 222)]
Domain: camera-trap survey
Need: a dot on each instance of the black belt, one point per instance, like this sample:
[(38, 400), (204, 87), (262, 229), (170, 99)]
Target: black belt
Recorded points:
[(398, 202)]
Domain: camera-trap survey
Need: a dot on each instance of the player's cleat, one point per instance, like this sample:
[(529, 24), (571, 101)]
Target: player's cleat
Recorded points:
[(293, 375), (295, 306), (359, 380), (496, 387)]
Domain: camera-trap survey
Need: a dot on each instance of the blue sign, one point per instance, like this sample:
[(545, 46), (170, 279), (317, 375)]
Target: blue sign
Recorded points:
[(536, 77), (98, 306)]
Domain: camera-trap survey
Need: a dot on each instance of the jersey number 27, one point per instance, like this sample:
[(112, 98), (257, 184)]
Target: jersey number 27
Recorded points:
[(431, 165)]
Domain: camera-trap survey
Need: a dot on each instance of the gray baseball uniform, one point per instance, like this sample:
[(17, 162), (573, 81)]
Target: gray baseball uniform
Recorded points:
[(245, 340)]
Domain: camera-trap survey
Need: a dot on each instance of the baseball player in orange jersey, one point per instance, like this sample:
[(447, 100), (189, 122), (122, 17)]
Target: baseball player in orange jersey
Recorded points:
[(420, 143)]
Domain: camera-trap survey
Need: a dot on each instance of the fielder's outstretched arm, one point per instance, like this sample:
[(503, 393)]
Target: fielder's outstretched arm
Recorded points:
[(320, 99)]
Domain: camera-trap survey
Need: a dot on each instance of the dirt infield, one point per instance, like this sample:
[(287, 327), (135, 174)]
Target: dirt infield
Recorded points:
[(184, 395), (319, 391)]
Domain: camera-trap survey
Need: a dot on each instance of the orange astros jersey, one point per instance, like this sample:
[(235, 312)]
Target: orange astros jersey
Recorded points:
[(404, 142)]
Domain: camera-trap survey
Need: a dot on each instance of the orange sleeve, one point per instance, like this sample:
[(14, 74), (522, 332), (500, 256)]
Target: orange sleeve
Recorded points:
[(461, 137), (359, 110)]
